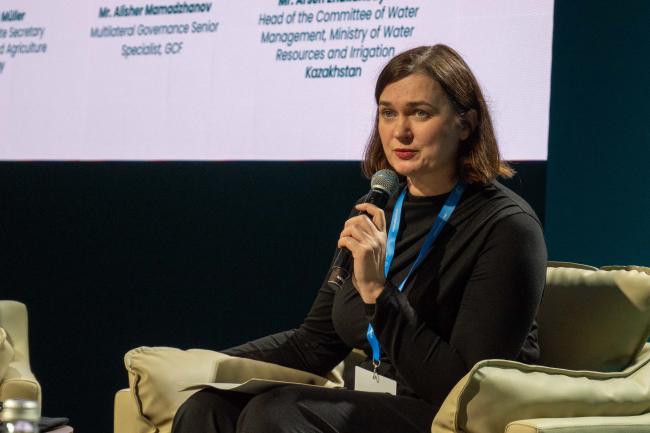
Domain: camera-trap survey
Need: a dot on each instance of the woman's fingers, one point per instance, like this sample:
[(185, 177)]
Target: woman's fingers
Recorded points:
[(365, 237), (358, 246), (375, 220), (348, 242), (376, 215), (359, 232), (368, 269), (366, 232)]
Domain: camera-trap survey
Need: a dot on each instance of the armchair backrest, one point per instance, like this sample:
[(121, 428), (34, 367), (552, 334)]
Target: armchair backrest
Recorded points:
[(592, 319)]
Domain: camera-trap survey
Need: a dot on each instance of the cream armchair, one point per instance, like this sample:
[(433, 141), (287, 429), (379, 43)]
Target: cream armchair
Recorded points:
[(18, 381), (594, 374)]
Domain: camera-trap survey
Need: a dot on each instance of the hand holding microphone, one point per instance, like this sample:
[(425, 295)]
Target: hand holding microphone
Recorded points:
[(365, 239), (362, 243)]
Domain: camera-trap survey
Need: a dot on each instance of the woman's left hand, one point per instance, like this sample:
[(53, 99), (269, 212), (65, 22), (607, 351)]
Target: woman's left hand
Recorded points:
[(366, 240)]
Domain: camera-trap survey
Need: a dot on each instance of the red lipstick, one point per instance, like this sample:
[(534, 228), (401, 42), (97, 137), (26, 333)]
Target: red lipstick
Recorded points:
[(404, 153)]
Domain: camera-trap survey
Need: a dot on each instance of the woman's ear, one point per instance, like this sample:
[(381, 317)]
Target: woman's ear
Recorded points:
[(468, 122)]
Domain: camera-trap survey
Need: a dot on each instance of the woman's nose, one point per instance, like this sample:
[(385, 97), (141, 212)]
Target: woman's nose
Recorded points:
[(403, 129)]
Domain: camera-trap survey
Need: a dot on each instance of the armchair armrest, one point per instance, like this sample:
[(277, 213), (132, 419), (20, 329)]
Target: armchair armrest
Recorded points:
[(19, 382), (496, 393), (126, 418), (591, 424)]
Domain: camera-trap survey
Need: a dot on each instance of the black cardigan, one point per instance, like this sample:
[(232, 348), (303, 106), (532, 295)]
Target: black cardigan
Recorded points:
[(474, 297)]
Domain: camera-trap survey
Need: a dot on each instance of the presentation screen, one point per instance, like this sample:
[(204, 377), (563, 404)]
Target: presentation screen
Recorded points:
[(249, 79)]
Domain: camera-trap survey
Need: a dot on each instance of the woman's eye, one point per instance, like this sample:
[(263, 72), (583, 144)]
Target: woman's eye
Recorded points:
[(389, 114), (421, 114)]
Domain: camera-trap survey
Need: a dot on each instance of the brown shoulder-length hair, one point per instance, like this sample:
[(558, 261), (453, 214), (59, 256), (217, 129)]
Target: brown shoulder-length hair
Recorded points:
[(479, 160)]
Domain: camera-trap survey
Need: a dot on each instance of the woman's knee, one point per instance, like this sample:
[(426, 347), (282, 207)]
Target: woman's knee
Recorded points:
[(199, 403), (270, 412), (210, 410)]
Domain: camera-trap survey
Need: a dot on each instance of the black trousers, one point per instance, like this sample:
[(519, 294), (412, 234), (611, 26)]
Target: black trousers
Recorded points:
[(302, 409)]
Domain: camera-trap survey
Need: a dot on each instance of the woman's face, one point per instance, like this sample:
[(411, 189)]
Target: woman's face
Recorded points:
[(419, 129)]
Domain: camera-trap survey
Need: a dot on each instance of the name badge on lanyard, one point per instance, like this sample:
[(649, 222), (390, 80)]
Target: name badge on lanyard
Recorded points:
[(445, 213), (369, 381)]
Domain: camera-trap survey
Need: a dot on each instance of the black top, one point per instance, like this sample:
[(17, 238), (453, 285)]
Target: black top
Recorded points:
[(474, 297)]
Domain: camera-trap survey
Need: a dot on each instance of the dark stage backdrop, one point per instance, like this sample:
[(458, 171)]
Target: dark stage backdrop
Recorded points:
[(598, 200), (111, 256)]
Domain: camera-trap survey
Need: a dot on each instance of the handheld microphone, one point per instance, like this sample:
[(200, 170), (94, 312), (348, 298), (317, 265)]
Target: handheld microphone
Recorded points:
[(383, 185)]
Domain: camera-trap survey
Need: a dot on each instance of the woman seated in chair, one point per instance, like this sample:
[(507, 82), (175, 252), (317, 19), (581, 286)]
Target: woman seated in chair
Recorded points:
[(428, 297)]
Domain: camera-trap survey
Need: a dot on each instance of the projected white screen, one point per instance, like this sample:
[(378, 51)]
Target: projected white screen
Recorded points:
[(248, 79)]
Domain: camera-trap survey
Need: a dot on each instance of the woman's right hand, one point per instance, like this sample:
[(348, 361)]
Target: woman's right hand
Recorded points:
[(365, 237)]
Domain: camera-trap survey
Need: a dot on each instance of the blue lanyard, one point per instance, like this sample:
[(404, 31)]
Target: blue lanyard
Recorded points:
[(442, 218)]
